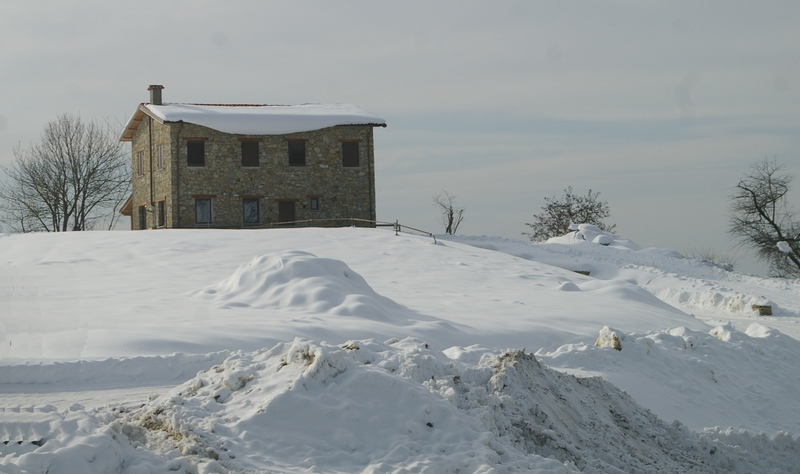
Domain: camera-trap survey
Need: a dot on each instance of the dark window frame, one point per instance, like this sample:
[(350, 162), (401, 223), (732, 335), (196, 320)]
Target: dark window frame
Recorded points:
[(197, 216), (140, 163), (287, 212), (143, 217), (314, 203), (250, 153), (297, 152), (351, 154), (195, 153), (257, 202), (161, 213), (160, 156)]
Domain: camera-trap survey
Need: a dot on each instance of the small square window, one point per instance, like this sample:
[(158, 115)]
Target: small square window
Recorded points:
[(350, 154), (314, 203), (250, 212), (202, 211), (297, 152), (196, 153), (250, 154)]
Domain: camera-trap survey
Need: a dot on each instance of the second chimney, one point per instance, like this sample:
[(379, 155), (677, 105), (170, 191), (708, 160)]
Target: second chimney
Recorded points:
[(155, 94)]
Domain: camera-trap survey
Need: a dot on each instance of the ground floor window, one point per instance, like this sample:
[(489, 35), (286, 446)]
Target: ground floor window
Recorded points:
[(314, 203), (162, 213), (202, 211), (142, 217), (286, 212), (250, 210)]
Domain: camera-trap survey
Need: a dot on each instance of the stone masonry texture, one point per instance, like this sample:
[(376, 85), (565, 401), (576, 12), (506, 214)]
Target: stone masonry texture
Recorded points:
[(342, 192)]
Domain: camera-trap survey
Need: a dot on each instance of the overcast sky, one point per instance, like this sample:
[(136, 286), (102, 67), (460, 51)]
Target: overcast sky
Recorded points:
[(659, 106)]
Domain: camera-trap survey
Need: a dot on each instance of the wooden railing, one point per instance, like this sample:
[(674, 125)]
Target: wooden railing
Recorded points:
[(399, 228), (343, 222)]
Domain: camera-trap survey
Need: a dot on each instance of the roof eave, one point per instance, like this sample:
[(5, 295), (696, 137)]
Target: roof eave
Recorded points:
[(127, 208), (142, 110), (135, 120)]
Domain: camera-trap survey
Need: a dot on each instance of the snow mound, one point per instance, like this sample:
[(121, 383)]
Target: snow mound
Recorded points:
[(713, 297), (40, 440), (402, 406), (609, 337), (592, 233), (310, 407), (397, 406), (678, 371), (300, 281)]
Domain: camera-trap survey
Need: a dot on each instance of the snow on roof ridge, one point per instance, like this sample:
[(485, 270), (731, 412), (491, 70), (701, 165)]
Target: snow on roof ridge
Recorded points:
[(211, 104), (263, 119), (226, 105), (305, 104)]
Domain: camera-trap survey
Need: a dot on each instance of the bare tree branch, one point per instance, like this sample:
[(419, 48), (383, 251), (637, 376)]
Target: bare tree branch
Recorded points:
[(451, 215), (761, 218), (74, 178)]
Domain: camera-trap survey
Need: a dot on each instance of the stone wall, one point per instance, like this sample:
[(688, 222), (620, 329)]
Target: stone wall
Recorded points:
[(342, 192), (160, 177)]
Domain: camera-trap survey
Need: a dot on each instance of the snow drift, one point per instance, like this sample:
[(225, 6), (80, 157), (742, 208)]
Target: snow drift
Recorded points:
[(377, 407), (300, 281), (229, 351)]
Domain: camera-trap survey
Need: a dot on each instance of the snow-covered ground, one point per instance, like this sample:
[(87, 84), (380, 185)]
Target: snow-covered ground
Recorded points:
[(358, 350)]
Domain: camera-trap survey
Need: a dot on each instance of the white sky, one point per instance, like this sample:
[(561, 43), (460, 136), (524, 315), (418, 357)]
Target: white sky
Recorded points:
[(660, 106)]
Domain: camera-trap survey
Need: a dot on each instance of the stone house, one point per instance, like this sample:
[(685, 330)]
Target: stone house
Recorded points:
[(242, 165)]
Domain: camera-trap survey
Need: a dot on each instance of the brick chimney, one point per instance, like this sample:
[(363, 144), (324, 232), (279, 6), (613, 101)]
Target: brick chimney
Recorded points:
[(155, 94)]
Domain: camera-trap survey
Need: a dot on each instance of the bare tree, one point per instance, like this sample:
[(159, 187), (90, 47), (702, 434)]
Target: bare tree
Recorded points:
[(725, 261), (762, 218), (451, 214), (75, 178), (559, 214)]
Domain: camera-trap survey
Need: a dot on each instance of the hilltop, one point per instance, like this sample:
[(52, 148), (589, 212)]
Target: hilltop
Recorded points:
[(349, 350)]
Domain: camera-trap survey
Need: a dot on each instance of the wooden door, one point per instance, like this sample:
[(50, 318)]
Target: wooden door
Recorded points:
[(286, 211)]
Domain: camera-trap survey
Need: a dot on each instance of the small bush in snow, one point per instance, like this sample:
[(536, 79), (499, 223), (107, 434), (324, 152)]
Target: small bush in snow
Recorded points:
[(559, 214)]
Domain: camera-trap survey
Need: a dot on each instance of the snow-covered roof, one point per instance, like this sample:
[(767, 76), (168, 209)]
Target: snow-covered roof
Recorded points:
[(247, 119)]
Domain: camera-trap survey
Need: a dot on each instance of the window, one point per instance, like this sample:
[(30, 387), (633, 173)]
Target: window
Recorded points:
[(314, 203), (140, 163), (196, 153), (142, 217), (250, 154), (250, 214), (160, 156), (297, 152), (162, 214), (202, 211), (350, 154)]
